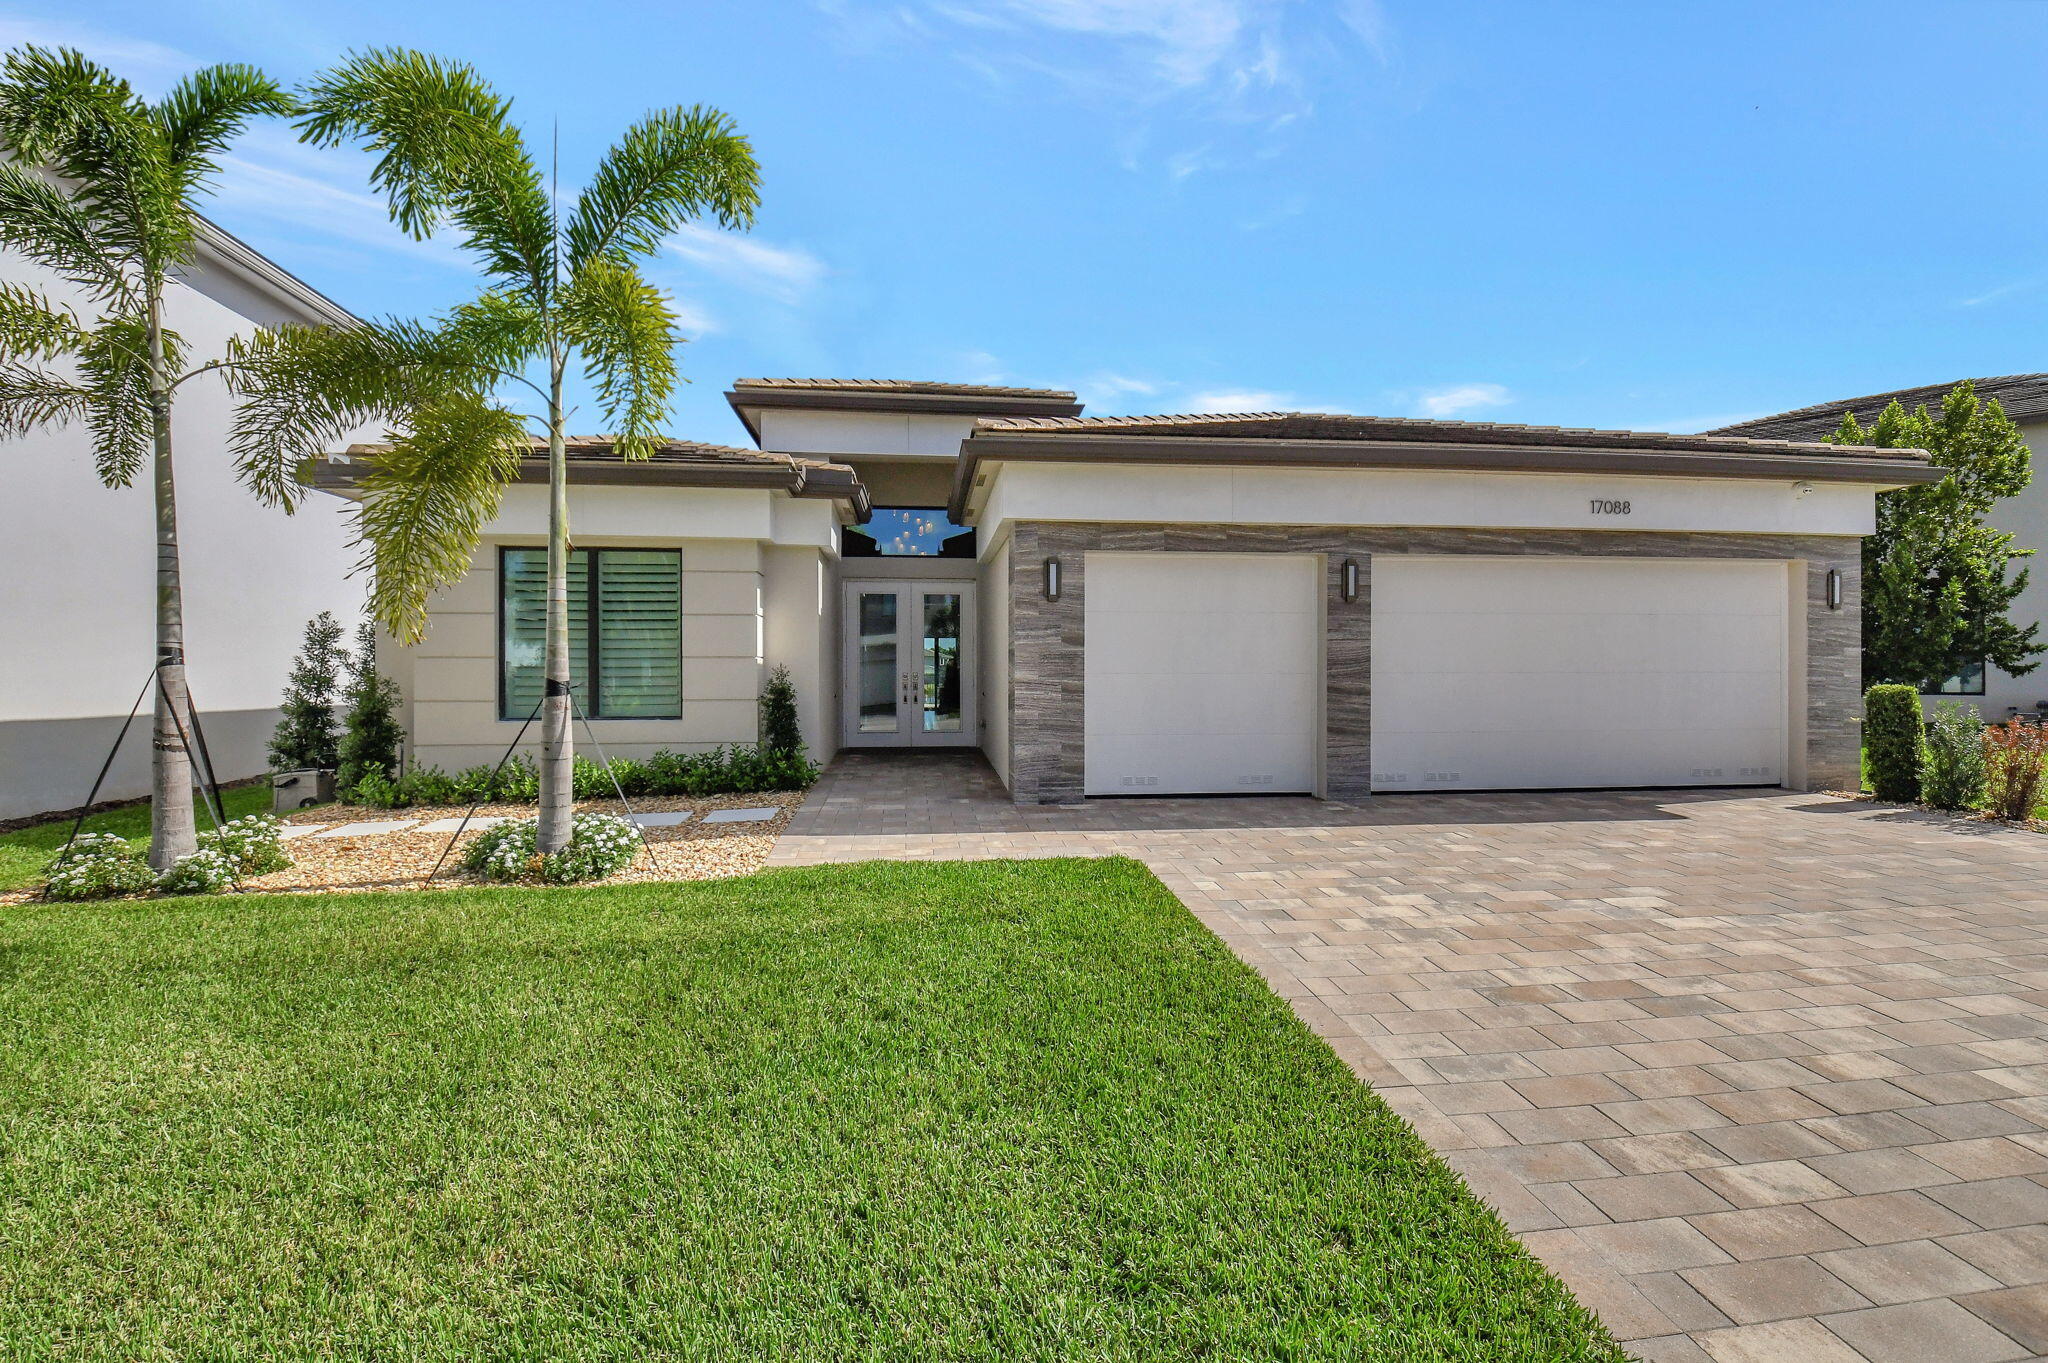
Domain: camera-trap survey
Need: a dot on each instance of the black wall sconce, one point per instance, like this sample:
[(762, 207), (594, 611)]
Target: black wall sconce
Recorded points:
[(1347, 580), (1052, 579), (1834, 589)]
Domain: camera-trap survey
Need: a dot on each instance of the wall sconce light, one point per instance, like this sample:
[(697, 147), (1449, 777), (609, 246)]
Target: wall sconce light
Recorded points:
[(1834, 589), (1052, 579), (1802, 489), (1347, 580)]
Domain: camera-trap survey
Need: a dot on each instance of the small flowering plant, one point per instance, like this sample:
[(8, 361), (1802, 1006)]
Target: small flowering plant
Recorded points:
[(98, 866), (599, 845), (207, 871), (251, 842)]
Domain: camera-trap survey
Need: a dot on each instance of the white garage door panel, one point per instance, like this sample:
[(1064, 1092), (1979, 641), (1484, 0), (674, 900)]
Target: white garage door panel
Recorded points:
[(1201, 673), (1496, 673)]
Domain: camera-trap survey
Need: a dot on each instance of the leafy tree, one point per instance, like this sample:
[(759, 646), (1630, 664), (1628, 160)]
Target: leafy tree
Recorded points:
[(305, 735), (370, 740), (780, 732), (561, 285), (100, 187), (1935, 592)]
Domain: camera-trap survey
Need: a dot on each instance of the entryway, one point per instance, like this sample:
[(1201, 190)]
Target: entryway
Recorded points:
[(909, 664)]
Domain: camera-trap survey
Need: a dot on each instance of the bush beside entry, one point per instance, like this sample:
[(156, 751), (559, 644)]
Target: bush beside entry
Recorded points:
[(1952, 762), (1891, 734), (2013, 754)]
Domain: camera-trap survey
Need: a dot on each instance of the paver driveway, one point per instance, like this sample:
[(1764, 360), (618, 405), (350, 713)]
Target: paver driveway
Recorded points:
[(1762, 1076)]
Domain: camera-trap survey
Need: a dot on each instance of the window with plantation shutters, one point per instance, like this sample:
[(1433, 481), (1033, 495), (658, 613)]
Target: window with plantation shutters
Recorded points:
[(630, 665)]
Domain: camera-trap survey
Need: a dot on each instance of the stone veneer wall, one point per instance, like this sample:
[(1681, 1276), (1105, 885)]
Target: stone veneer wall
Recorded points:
[(1047, 698)]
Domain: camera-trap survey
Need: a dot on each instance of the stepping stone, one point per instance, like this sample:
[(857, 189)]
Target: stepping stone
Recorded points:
[(664, 820), (354, 830), (450, 825), (298, 830), (759, 815)]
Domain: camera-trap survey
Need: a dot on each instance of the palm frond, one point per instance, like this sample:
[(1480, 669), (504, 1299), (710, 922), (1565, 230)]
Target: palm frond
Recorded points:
[(425, 502), (33, 327), (670, 167), (114, 365), (50, 99), (208, 109), (445, 153), (37, 220), (628, 337), (33, 398)]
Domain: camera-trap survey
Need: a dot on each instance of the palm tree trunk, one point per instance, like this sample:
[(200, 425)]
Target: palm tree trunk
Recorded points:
[(172, 832), (557, 764)]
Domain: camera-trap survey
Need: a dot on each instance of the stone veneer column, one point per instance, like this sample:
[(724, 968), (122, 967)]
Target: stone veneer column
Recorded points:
[(1048, 639)]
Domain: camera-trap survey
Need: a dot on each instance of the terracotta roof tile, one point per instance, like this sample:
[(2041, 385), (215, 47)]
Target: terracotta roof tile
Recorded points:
[(2023, 396), (912, 387)]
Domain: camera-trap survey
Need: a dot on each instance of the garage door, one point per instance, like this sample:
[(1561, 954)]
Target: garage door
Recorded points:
[(1201, 673), (1530, 673)]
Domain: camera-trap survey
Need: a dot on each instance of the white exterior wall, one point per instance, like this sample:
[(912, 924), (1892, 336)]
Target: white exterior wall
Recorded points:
[(754, 565), (1529, 501), (834, 433), (994, 623), (2025, 517), (77, 579)]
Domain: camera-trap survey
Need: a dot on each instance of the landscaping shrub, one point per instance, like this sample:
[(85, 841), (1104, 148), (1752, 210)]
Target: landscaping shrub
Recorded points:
[(251, 843), (599, 845), (721, 771), (206, 871), (369, 743), (780, 732), (1891, 736), (98, 866), (1952, 760), (2013, 754), (306, 735), (517, 783), (375, 789)]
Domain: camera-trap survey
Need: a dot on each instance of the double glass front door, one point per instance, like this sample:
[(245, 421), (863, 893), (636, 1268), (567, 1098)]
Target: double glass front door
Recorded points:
[(909, 678)]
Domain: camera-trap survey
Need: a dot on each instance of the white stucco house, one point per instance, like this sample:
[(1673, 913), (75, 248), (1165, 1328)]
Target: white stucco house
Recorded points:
[(1266, 602), (77, 566), (1996, 694)]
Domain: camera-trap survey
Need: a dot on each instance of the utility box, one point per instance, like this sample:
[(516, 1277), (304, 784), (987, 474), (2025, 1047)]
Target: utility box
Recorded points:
[(290, 790)]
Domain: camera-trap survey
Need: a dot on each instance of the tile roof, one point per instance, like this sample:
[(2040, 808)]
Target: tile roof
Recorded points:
[(913, 387), (2023, 396), (1397, 430)]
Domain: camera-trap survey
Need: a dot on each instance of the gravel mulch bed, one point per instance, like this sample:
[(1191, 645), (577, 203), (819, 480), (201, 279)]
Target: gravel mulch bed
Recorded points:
[(403, 861)]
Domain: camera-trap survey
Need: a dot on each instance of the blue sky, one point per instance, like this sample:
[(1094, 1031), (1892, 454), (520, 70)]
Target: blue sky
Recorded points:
[(1617, 214)]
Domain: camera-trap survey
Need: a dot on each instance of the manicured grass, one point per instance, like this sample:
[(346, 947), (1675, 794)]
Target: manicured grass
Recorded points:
[(1008, 1110), (24, 852)]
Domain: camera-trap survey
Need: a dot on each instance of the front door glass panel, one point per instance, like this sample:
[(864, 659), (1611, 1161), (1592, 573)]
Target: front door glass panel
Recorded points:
[(878, 662), (941, 688)]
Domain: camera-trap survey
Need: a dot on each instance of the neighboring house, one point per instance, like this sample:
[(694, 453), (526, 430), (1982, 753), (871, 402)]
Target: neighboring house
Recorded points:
[(2024, 397), (78, 566), (1271, 602)]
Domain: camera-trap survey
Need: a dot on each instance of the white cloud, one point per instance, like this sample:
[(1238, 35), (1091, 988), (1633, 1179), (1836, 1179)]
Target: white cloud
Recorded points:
[(784, 273), (1462, 398), (978, 366), (1240, 400), (150, 67), (274, 177)]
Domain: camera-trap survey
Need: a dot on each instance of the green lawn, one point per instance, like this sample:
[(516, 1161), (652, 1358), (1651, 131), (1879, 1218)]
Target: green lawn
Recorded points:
[(25, 852), (1008, 1110)]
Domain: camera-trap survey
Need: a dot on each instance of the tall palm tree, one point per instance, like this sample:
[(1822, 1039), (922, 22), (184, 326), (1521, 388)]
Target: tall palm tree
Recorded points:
[(100, 189), (561, 284)]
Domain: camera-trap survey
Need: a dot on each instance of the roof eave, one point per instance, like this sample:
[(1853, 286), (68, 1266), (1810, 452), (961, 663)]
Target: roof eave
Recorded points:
[(343, 474), (745, 401), (1000, 447)]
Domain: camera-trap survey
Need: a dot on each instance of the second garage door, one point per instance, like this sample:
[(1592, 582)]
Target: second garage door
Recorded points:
[(1516, 673), (1201, 673)]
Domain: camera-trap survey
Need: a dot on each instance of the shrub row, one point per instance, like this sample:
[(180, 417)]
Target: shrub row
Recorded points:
[(738, 770), (1954, 761)]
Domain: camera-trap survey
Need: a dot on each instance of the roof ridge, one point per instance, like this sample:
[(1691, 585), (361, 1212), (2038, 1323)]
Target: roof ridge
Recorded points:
[(909, 386)]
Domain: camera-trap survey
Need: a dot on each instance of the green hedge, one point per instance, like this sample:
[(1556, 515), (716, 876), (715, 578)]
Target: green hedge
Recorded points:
[(737, 770), (1892, 740)]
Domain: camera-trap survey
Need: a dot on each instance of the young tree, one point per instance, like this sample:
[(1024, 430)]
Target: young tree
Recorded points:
[(305, 735), (122, 221), (1935, 592), (371, 734), (561, 286)]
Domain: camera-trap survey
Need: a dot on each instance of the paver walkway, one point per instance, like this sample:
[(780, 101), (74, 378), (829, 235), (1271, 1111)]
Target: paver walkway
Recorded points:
[(1763, 1076)]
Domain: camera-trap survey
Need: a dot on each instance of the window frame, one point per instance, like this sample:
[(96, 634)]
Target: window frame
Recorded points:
[(594, 630)]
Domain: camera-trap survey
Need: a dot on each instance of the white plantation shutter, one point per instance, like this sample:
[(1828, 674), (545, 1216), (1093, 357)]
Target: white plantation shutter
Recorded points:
[(640, 633), (523, 622)]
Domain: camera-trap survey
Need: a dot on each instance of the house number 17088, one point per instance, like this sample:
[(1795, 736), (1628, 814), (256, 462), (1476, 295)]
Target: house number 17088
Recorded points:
[(1603, 507)]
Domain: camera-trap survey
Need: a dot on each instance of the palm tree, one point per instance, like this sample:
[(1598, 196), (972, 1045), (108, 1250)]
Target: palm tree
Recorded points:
[(561, 284), (100, 189)]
